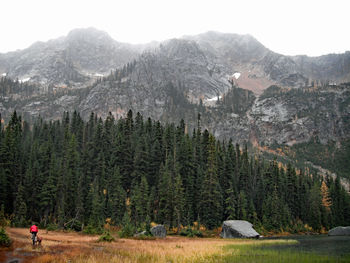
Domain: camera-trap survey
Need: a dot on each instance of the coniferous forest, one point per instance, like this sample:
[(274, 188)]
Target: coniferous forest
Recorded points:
[(75, 174)]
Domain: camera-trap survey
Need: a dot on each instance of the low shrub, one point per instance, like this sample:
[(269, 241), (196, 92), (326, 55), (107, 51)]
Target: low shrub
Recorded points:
[(189, 232), (5, 241), (106, 237), (73, 225), (127, 231)]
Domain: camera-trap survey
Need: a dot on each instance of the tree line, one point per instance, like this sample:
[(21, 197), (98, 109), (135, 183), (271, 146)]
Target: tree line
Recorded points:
[(10, 87), (75, 173)]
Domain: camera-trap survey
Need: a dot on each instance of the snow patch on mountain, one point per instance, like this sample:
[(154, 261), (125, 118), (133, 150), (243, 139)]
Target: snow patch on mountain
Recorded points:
[(213, 99), (24, 80), (236, 75)]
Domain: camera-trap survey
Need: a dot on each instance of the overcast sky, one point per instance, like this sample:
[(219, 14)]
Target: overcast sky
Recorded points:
[(290, 27)]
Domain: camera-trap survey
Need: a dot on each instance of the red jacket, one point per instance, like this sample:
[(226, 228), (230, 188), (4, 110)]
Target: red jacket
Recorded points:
[(33, 228)]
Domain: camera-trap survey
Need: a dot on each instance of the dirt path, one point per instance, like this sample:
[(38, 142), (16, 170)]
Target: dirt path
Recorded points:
[(53, 243)]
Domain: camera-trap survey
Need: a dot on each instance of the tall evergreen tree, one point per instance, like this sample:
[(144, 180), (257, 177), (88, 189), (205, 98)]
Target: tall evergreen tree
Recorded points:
[(20, 207), (178, 201), (11, 159), (165, 195), (315, 200), (117, 198), (211, 201)]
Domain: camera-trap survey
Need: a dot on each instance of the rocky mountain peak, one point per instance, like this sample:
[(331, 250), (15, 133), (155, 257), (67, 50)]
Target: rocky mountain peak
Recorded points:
[(232, 46), (74, 60), (239, 40), (182, 49), (90, 34), (87, 33)]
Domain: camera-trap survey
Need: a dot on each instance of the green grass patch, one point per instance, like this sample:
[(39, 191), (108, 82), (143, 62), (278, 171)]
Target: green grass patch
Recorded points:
[(269, 252)]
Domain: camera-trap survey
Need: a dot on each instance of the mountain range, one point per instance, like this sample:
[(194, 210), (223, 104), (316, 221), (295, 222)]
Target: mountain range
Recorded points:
[(240, 89), (87, 53)]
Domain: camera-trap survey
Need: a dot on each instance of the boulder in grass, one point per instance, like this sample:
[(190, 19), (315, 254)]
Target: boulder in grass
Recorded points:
[(339, 231), (143, 233), (238, 229), (158, 231)]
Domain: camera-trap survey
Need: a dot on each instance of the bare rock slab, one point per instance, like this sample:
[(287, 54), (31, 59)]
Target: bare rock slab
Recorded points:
[(340, 231), (238, 229), (158, 231)]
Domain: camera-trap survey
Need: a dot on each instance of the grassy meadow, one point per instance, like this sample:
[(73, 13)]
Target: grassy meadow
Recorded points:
[(74, 247)]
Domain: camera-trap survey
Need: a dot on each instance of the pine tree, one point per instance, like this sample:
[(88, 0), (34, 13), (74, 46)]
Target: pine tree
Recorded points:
[(242, 206), (252, 216), (165, 195), (230, 203), (117, 198), (48, 192), (198, 167), (141, 161), (71, 175), (185, 167), (140, 201), (244, 173), (128, 228), (178, 201), (11, 161), (97, 215), (125, 151), (211, 207), (291, 193), (153, 201), (271, 212), (315, 200), (20, 207), (227, 182)]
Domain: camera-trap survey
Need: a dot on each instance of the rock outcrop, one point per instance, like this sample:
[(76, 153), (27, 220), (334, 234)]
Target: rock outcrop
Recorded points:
[(340, 231), (158, 231), (238, 229)]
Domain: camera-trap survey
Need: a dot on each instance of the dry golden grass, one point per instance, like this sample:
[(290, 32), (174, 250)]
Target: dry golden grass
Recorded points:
[(22, 234), (62, 247)]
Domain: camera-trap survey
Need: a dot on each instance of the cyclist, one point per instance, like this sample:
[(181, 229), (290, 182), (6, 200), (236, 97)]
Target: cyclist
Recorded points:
[(34, 231)]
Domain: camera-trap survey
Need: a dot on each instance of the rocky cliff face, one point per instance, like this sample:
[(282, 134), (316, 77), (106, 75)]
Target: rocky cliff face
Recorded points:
[(332, 67), (260, 67), (294, 116)]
